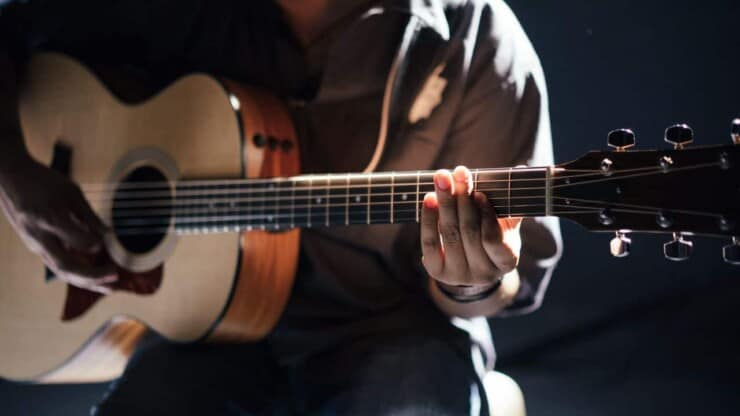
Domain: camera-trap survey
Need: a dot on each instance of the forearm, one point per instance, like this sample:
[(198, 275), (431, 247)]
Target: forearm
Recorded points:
[(489, 306)]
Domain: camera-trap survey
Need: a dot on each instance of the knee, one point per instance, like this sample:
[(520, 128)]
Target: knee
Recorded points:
[(504, 395)]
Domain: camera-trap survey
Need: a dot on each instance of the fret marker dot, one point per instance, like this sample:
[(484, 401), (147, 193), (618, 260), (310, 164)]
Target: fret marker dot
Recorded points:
[(318, 200), (404, 197), (358, 198)]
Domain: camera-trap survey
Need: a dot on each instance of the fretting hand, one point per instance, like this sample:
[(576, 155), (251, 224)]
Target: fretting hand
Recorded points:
[(56, 222), (466, 248)]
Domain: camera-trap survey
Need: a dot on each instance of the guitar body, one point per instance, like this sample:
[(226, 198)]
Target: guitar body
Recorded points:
[(220, 287)]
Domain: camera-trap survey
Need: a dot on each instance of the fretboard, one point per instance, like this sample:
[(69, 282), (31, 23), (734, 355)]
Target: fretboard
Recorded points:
[(340, 199)]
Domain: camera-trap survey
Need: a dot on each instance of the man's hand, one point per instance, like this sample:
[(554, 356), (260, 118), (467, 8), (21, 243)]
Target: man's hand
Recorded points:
[(56, 222), (465, 246)]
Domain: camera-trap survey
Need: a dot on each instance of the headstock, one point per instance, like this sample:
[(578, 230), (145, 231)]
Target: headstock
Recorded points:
[(680, 191)]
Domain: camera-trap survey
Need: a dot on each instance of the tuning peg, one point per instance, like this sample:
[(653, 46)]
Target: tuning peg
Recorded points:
[(620, 245), (735, 131), (731, 252), (679, 135), (678, 249), (621, 139)]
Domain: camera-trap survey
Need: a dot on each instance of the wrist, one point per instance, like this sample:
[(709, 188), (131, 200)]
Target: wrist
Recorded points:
[(468, 293)]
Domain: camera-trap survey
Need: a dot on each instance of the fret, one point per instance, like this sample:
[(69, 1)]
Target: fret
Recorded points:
[(380, 199), (418, 175), (302, 201), (405, 198), (232, 206), (268, 205), (393, 174), (548, 191), (508, 204), (328, 201), (427, 184), (346, 203), (358, 191), (293, 184), (369, 186), (514, 191), (337, 196), (244, 200), (262, 189), (310, 203), (284, 204), (202, 210), (475, 180), (317, 213)]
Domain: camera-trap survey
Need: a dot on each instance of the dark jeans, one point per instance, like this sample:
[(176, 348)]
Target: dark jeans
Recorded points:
[(396, 374)]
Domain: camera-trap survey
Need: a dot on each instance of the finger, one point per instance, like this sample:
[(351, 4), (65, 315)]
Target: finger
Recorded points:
[(482, 270), (502, 256), (455, 263), (431, 247), (66, 262), (70, 229), (88, 217)]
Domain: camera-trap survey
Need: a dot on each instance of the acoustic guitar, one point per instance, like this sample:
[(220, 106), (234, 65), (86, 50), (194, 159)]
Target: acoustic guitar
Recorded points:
[(202, 190)]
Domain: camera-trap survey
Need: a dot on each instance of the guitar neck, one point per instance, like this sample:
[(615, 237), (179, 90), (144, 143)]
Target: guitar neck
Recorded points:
[(343, 199)]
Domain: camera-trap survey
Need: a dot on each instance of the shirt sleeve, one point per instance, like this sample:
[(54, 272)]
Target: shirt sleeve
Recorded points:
[(503, 120)]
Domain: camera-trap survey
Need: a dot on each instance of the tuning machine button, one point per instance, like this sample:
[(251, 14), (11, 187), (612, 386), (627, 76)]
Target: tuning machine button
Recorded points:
[(679, 135), (735, 131), (731, 252), (621, 139), (620, 245), (678, 249)]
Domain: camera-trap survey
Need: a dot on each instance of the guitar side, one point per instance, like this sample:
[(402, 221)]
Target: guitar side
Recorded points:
[(220, 287)]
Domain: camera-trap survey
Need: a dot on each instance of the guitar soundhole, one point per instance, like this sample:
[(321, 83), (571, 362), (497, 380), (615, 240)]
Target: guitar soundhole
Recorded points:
[(142, 210)]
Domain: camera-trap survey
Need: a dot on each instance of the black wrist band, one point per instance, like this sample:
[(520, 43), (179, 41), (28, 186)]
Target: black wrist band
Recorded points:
[(469, 298)]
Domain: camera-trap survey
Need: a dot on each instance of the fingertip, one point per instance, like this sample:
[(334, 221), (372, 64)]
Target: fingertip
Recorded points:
[(460, 173), (112, 278), (463, 180), (430, 201), (443, 179)]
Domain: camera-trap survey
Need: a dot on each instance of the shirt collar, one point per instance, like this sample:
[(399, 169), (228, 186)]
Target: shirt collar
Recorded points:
[(430, 12)]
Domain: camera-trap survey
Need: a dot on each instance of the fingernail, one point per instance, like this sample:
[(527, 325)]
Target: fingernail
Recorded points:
[(430, 201), (109, 279), (442, 181), (459, 174)]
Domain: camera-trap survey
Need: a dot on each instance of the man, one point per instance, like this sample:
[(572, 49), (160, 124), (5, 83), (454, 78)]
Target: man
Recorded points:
[(367, 329)]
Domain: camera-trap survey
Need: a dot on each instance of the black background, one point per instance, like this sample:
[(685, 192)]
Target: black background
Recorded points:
[(641, 335)]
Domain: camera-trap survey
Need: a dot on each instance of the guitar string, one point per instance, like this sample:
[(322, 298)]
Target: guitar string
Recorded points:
[(277, 189), (136, 230), (269, 192), (675, 211), (108, 187), (114, 189), (276, 198), (270, 217), (318, 205), (635, 175), (327, 207), (290, 198)]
